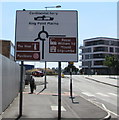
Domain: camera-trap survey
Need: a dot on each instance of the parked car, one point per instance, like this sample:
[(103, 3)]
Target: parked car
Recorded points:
[(38, 73)]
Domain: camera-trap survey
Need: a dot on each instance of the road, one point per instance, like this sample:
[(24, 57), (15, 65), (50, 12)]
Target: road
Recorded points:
[(100, 94)]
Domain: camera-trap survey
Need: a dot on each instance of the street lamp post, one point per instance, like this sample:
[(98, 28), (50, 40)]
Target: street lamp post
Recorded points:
[(45, 76), (59, 76), (58, 6)]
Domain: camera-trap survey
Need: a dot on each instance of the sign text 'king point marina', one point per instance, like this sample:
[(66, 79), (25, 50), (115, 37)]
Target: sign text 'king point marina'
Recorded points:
[(47, 35)]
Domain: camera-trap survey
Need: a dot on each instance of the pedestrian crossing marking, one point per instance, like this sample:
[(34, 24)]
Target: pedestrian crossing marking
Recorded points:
[(55, 108)]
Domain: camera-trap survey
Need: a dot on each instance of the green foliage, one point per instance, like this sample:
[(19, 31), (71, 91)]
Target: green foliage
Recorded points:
[(108, 61), (112, 61), (74, 69)]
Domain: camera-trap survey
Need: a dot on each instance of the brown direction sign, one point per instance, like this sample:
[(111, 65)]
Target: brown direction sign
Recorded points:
[(27, 46), (62, 45), (28, 51), (28, 55)]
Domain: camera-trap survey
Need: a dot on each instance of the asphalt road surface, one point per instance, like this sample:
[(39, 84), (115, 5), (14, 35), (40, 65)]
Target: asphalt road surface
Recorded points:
[(100, 94)]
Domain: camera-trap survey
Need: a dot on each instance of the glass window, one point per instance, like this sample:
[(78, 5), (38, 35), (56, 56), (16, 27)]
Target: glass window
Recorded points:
[(86, 63), (86, 50), (99, 56), (111, 49), (97, 42), (117, 50), (117, 43), (86, 56), (98, 62), (98, 49)]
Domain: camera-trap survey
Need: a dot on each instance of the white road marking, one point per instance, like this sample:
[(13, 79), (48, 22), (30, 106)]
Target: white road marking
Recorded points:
[(109, 111), (55, 108), (104, 95), (104, 107), (113, 94), (88, 94)]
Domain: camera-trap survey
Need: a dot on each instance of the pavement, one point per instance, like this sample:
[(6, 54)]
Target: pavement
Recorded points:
[(44, 104), (104, 79)]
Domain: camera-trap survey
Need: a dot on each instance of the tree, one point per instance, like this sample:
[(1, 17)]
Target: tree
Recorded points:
[(74, 69), (112, 62)]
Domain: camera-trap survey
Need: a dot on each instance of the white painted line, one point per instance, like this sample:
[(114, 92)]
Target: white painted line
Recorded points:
[(102, 94), (102, 107), (110, 111), (113, 94), (55, 108), (107, 111), (88, 94)]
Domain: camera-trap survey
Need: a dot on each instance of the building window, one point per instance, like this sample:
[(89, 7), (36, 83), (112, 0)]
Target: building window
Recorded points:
[(102, 42), (98, 49), (98, 55), (87, 63), (113, 43), (98, 62), (86, 50), (86, 56), (97, 42), (111, 49), (117, 50)]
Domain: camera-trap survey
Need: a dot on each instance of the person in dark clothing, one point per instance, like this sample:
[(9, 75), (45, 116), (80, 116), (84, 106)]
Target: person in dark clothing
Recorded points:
[(32, 84)]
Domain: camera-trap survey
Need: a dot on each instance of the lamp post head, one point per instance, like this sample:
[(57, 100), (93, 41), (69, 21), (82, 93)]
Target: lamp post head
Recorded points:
[(58, 6)]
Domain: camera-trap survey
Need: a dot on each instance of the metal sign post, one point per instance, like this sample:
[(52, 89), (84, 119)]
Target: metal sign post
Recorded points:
[(59, 91), (45, 77), (21, 89), (71, 83)]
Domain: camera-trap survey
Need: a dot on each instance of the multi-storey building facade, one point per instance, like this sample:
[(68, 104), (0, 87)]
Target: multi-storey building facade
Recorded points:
[(94, 51)]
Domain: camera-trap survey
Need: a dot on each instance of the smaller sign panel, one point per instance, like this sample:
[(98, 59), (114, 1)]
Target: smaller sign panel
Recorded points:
[(28, 46), (28, 51), (28, 55), (62, 45)]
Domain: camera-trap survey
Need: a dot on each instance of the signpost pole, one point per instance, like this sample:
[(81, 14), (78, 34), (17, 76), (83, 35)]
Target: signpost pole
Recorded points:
[(59, 91), (45, 77), (71, 83), (21, 89)]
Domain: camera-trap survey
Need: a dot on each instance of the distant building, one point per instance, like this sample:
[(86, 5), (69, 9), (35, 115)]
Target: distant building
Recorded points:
[(7, 49), (94, 51)]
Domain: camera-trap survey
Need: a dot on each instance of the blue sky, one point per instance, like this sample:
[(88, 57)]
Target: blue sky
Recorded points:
[(95, 19)]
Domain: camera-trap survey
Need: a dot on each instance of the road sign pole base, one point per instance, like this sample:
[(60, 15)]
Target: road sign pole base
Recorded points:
[(72, 97)]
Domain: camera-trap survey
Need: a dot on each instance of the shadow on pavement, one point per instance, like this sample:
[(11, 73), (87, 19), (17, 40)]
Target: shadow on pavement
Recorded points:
[(41, 91)]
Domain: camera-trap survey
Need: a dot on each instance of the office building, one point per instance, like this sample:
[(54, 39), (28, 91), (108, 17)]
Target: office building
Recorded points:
[(94, 51)]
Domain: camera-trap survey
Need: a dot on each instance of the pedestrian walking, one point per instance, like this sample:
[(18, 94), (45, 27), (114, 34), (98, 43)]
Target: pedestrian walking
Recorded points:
[(32, 84)]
